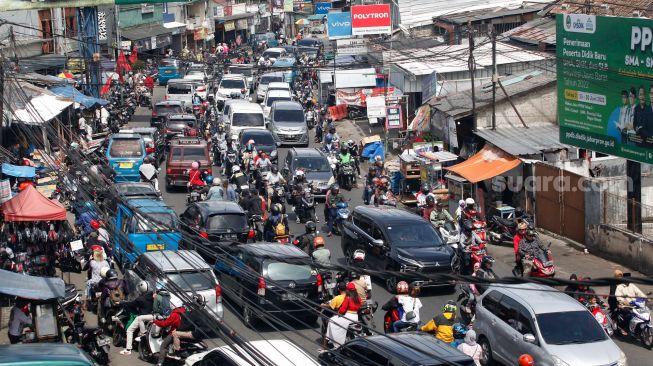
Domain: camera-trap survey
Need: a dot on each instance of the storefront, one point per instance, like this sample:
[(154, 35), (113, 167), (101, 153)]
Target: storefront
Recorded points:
[(148, 38), (227, 28)]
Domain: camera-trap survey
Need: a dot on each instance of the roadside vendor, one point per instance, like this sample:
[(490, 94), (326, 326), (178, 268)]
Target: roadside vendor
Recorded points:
[(19, 318)]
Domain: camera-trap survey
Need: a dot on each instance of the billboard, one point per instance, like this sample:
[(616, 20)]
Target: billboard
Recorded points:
[(429, 86), (371, 19), (605, 84), (322, 8), (351, 47), (339, 25)]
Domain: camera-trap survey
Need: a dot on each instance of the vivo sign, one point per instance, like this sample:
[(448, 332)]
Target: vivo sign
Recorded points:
[(371, 19), (339, 25)]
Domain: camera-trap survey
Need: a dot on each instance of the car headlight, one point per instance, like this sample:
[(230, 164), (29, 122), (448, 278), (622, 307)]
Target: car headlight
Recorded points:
[(559, 362), (623, 361), (273, 153), (408, 262)]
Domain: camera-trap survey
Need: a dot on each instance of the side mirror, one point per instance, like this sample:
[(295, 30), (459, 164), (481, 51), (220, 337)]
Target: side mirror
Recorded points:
[(278, 143), (529, 338), (378, 243)]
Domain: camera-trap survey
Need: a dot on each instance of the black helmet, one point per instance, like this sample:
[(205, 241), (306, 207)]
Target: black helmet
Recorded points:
[(335, 188), (189, 123), (149, 160), (275, 210), (426, 188), (430, 200), (310, 227), (344, 149), (371, 169), (274, 169), (111, 275), (487, 259)]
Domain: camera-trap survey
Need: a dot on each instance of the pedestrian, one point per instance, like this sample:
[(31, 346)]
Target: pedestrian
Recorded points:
[(19, 318), (229, 191), (471, 348)]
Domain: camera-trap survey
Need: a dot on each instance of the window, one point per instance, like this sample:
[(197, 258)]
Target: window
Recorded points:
[(176, 153), (362, 224), (216, 358), (155, 222), (125, 220), (71, 21), (180, 89), (289, 115), (126, 148), (169, 109), (416, 235), (271, 100), (364, 355), (192, 281), (232, 84), (195, 154), (313, 164), (278, 271), (267, 79), (491, 301), (376, 232), (556, 328), (227, 221), (247, 120), (260, 138), (516, 315)]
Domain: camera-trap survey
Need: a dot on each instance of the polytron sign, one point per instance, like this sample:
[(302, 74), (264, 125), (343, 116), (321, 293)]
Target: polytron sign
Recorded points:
[(371, 19)]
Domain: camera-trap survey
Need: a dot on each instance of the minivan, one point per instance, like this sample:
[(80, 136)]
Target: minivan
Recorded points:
[(243, 116), (232, 86), (169, 69), (543, 322), (272, 96), (125, 153), (265, 80), (288, 123), (180, 89), (274, 53)]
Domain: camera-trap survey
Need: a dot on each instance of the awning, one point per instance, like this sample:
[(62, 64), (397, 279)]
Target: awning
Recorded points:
[(173, 25), (143, 31), (18, 171), (485, 164), (74, 94), (31, 205), (40, 109), (524, 141), (234, 17), (31, 287)]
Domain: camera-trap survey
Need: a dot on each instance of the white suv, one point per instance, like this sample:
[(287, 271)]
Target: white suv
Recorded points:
[(232, 86)]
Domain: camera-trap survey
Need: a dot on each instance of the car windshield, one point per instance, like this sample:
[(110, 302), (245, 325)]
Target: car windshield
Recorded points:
[(277, 271), (555, 328), (168, 109), (267, 79), (413, 235), (247, 120), (226, 221), (180, 89), (274, 99), (313, 164), (194, 154), (165, 62), (156, 222), (288, 115), (259, 138), (192, 281), (241, 70), (126, 148), (272, 54), (232, 84), (195, 73), (178, 123), (135, 190)]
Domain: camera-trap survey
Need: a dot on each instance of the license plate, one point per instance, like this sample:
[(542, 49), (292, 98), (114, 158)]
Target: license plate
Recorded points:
[(103, 341), (154, 247), (293, 296), (329, 286), (127, 165), (167, 72)]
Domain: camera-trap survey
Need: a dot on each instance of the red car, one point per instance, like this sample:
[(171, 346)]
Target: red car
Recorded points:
[(183, 152)]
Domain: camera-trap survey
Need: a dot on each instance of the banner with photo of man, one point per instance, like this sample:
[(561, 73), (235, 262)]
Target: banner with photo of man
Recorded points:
[(605, 84)]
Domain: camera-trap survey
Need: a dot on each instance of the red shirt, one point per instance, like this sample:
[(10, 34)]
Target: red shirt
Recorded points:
[(516, 241), (173, 320), (195, 177), (149, 82), (349, 306)]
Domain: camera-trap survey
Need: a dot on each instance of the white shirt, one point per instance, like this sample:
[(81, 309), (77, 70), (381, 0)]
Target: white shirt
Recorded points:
[(273, 178), (627, 293), (17, 321), (410, 303), (103, 235)]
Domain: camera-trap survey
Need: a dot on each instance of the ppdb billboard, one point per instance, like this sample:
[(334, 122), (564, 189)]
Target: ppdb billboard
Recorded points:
[(605, 84)]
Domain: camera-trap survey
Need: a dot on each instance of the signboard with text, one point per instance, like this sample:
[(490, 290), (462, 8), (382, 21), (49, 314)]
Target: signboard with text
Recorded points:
[(375, 107), (371, 19), (605, 92), (339, 25), (351, 47), (393, 119), (322, 8)]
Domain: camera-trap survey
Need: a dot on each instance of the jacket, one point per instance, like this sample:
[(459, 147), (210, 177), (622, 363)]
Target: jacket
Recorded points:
[(515, 242), (173, 320), (440, 217), (442, 325), (533, 248)]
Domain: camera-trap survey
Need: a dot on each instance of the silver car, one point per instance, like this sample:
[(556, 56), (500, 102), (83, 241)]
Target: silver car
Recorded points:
[(288, 123), (554, 328), (184, 270)]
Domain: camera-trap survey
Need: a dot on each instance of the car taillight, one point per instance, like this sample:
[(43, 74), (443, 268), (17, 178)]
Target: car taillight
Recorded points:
[(251, 234), (201, 89), (149, 150), (261, 287), (204, 234), (218, 293), (243, 90), (154, 114), (169, 171), (168, 130), (165, 98), (295, 242), (319, 282)]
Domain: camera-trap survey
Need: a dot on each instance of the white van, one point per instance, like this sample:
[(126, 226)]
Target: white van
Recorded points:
[(246, 115), (180, 89)]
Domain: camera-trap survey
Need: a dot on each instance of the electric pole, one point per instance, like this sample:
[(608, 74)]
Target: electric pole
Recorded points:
[(472, 70), (2, 98), (13, 47), (495, 77)]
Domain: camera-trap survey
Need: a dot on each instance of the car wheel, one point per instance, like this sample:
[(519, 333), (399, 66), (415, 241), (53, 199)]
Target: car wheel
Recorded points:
[(486, 357), (249, 319), (349, 252)]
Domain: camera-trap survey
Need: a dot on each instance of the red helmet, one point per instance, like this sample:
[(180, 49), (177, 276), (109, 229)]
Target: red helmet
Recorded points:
[(95, 224), (526, 360), (402, 287)]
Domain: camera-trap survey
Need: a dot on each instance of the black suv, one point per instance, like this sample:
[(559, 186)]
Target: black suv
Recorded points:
[(314, 163), (396, 349), (161, 110), (269, 278), (176, 124), (397, 240), (213, 220)]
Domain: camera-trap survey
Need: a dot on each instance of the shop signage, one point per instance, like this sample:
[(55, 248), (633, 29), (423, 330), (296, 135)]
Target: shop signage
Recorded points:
[(102, 26), (375, 107), (218, 11), (229, 26), (371, 19), (147, 8), (288, 6), (5, 190), (200, 33), (605, 98), (339, 25), (351, 47), (238, 9), (241, 24), (322, 8), (393, 117), (126, 45), (429, 86)]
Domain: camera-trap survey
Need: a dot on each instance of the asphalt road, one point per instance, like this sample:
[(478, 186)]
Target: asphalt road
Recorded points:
[(568, 260)]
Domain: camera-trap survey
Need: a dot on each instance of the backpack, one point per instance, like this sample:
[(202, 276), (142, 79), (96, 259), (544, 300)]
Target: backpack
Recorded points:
[(280, 230), (116, 295)]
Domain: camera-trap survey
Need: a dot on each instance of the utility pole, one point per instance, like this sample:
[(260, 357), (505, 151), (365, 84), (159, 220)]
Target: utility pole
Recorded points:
[(13, 46), (472, 70), (495, 77), (2, 98)]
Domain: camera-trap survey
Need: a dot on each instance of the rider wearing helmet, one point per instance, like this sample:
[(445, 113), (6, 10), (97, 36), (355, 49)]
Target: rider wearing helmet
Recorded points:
[(469, 211), (526, 360), (335, 197), (425, 191), (274, 223), (353, 151), (329, 145), (195, 176), (321, 255), (442, 324), (190, 130), (428, 208), (238, 179), (296, 188), (485, 272), (531, 247), (305, 240), (272, 178), (114, 291), (439, 216), (149, 172), (372, 174), (143, 305), (408, 304), (216, 193)]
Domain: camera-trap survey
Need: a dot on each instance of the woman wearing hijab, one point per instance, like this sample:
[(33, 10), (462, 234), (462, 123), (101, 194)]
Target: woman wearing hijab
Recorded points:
[(471, 348)]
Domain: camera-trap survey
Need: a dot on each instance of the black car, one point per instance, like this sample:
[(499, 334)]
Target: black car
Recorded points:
[(263, 139), (214, 220), (155, 144), (315, 165), (397, 240), (137, 190), (410, 348), (176, 124), (260, 277), (161, 110), (310, 42)]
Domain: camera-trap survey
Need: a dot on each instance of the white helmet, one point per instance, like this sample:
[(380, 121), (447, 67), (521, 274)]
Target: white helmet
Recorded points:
[(9, 253), (470, 202), (143, 287), (234, 137), (235, 168), (299, 173), (217, 181)]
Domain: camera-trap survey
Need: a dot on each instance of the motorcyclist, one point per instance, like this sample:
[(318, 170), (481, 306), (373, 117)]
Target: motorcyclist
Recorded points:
[(442, 324), (196, 99), (331, 132), (97, 268), (216, 192), (321, 255), (190, 130), (469, 212), (249, 152), (379, 165), (369, 185), (425, 191), (172, 322), (143, 305), (272, 178), (625, 293), (305, 240), (439, 216), (262, 162), (355, 154), (276, 224), (253, 204), (329, 146), (485, 272), (382, 188), (521, 231), (193, 324), (529, 248), (343, 158), (296, 188), (334, 198), (238, 179), (149, 173), (429, 207), (195, 180), (114, 290)]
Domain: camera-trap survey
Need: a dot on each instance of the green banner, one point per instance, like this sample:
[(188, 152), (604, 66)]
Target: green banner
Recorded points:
[(605, 84)]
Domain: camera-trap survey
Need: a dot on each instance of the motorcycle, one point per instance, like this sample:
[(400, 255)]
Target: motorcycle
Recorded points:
[(639, 326), (600, 315), (467, 304), (450, 234), (256, 226), (194, 194), (91, 339), (365, 322), (310, 118), (231, 160), (150, 346), (355, 112), (347, 176), (543, 267), (502, 230), (342, 215), (305, 210), (119, 326), (278, 194), (387, 198)]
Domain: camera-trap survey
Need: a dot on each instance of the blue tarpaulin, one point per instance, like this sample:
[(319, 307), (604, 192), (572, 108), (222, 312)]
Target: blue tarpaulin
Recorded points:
[(72, 93), (18, 171), (31, 287), (373, 149)]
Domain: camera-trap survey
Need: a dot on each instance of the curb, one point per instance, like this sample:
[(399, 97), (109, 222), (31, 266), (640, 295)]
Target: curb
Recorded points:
[(570, 243)]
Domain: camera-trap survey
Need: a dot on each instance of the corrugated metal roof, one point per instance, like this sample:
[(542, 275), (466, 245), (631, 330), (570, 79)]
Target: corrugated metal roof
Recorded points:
[(619, 8), (535, 32), (524, 141), (485, 14)]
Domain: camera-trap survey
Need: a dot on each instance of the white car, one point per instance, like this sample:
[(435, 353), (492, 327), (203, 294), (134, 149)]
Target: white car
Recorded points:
[(232, 86), (277, 352), (272, 96), (279, 85), (199, 79), (274, 53)]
